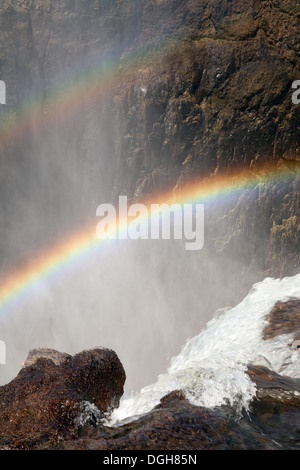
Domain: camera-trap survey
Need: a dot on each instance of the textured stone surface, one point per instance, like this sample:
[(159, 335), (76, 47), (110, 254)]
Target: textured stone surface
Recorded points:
[(62, 406), (52, 401), (284, 318), (271, 424)]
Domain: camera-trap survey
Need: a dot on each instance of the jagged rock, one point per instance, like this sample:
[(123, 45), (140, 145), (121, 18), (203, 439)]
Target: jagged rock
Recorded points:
[(175, 424), (54, 400), (274, 411), (50, 406), (271, 423)]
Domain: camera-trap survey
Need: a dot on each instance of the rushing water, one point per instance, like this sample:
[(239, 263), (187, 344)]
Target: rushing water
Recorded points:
[(211, 367)]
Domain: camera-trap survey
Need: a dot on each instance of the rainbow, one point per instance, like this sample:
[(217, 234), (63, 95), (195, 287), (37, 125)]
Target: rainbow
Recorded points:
[(92, 84), (85, 243), (40, 109), (68, 96)]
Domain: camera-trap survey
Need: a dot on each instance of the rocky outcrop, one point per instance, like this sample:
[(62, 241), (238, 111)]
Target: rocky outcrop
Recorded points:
[(284, 318), (62, 405), (175, 424), (52, 400), (274, 413)]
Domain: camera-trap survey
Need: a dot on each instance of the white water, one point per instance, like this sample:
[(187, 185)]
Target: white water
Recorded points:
[(210, 369)]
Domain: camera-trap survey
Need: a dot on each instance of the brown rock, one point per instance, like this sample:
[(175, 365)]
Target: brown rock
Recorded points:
[(40, 410), (271, 423), (54, 400), (284, 318), (274, 412)]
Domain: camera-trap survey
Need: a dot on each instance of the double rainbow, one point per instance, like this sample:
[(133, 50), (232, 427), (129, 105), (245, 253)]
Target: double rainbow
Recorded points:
[(77, 246)]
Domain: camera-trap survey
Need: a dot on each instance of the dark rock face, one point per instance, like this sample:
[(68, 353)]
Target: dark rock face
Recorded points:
[(271, 424), (275, 410), (284, 318), (62, 406), (53, 400)]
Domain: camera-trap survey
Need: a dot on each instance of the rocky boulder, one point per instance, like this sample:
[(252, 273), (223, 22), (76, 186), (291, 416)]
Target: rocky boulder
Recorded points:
[(61, 406), (284, 318), (55, 394)]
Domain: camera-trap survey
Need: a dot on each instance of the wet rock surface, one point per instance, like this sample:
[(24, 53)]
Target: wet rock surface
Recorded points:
[(272, 423), (50, 401), (50, 406), (284, 318), (275, 410)]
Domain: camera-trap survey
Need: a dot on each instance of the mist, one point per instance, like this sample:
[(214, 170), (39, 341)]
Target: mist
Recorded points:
[(141, 298), (67, 149)]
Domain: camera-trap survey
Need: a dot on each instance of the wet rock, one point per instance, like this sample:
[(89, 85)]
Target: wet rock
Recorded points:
[(50, 401), (216, 97), (268, 381), (49, 407), (176, 424), (275, 411), (271, 423), (284, 318)]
